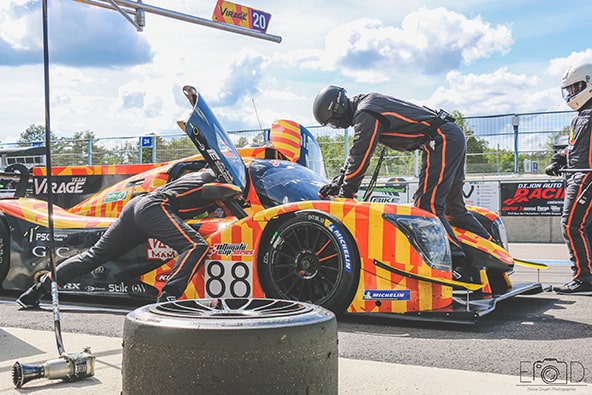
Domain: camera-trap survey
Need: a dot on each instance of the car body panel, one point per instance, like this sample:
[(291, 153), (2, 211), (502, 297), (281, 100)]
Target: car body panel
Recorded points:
[(395, 258)]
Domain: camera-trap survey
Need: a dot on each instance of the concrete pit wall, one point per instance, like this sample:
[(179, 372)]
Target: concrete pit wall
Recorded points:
[(533, 229)]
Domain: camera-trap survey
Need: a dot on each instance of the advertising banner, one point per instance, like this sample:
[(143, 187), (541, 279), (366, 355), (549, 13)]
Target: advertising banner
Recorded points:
[(532, 198), (482, 194)]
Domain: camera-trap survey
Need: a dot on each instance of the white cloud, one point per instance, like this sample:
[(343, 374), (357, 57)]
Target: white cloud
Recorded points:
[(429, 41), (558, 66), (438, 56), (499, 92)]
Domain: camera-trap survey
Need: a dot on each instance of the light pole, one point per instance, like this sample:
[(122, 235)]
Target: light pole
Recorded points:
[(515, 124)]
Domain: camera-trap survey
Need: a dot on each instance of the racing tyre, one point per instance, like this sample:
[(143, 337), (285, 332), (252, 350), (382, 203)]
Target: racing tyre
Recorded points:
[(311, 258), (230, 346)]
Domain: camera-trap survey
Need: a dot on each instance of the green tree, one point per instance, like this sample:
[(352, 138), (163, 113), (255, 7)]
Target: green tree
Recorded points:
[(241, 142), (34, 134), (174, 148)]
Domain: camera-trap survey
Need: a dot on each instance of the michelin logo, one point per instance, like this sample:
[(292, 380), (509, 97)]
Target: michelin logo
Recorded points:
[(390, 294), (344, 247)]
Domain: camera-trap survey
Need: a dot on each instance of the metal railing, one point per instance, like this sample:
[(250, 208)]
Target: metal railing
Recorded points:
[(496, 144)]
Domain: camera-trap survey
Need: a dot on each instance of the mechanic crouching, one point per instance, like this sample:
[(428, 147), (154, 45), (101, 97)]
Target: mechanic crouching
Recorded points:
[(576, 218), (404, 126), (159, 214)]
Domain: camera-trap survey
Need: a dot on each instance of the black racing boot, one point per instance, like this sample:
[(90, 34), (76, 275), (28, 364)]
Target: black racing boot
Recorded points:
[(31, 297), (575, 287), (166, 297), (460, 273), (460, 269)]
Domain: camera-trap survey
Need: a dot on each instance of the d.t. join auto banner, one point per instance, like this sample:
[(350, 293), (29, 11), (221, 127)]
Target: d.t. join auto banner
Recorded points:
[(532, 198)]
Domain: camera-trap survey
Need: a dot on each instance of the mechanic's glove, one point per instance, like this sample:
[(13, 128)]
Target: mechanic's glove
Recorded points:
[(553, 169), (331, 189), (346, 192)]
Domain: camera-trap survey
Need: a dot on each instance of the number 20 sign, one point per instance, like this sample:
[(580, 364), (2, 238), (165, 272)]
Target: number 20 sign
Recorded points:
[(240, 15)]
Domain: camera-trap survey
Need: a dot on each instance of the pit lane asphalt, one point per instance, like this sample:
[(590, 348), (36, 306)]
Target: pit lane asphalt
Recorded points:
[(376, 355)]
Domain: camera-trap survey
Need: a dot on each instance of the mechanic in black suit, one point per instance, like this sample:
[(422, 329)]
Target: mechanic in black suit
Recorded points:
[(576, 219), (159, 214), (404, 126)]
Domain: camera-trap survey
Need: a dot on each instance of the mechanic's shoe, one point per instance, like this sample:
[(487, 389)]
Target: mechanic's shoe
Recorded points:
[(576, 287), (31, 297), (166, 297)]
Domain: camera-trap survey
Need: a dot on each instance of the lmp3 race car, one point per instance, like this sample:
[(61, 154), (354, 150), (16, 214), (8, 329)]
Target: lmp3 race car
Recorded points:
[(278, 240)]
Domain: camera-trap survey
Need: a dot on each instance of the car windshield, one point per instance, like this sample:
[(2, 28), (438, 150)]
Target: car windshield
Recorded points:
[(280, 182), (313, 157)]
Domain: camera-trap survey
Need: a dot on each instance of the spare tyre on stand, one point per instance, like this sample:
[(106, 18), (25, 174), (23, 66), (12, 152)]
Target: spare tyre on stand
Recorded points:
[(226, 346)]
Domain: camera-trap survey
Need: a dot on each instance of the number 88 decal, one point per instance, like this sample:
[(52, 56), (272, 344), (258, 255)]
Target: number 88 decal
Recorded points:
[(227, 278)]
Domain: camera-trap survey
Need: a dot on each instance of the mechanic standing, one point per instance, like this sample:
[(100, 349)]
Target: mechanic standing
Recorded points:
[(404, 126), (158, 214), (577, 206)]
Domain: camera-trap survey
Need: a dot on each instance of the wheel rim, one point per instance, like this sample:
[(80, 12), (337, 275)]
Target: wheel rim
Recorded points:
[(237, 308), (306, 263)]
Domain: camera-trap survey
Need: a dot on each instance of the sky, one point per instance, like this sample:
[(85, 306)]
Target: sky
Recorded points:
[(478, 57)]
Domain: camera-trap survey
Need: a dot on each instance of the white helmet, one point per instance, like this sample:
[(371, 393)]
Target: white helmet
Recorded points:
[(576, 86)]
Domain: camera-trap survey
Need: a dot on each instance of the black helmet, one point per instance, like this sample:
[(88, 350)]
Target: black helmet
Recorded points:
[(330, 104)]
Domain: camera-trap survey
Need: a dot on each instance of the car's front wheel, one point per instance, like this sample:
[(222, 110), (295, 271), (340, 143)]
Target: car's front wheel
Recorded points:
[(311, 258)]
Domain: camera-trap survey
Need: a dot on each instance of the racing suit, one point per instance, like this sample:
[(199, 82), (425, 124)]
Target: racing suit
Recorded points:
[(576, 218), (160, 215), (404, 126)]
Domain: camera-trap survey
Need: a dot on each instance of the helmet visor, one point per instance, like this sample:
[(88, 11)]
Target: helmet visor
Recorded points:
[(338, 122), (571, 90)]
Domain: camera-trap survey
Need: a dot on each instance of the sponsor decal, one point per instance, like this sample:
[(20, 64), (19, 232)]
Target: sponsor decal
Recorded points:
[(228, 249), (384, 199), (138, 288), (35, 235), (117, 288), (347, 260), (163, 277), (71, 286), (116, 196), (157, 250), (90, 288), (41, 251), (387, 294), (74, 186)]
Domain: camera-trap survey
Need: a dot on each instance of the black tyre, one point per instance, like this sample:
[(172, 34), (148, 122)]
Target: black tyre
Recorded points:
[(4, 251), (311, 258), (230, 346)]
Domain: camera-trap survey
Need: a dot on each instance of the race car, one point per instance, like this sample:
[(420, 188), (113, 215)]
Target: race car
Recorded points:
[(278, 240)]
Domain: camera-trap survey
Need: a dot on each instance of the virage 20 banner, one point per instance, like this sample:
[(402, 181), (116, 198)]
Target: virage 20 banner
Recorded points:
[(240, 15), (532, 198)]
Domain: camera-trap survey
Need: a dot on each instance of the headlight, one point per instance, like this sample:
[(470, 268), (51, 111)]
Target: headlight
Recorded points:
[(498, 230), (428, 236)]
